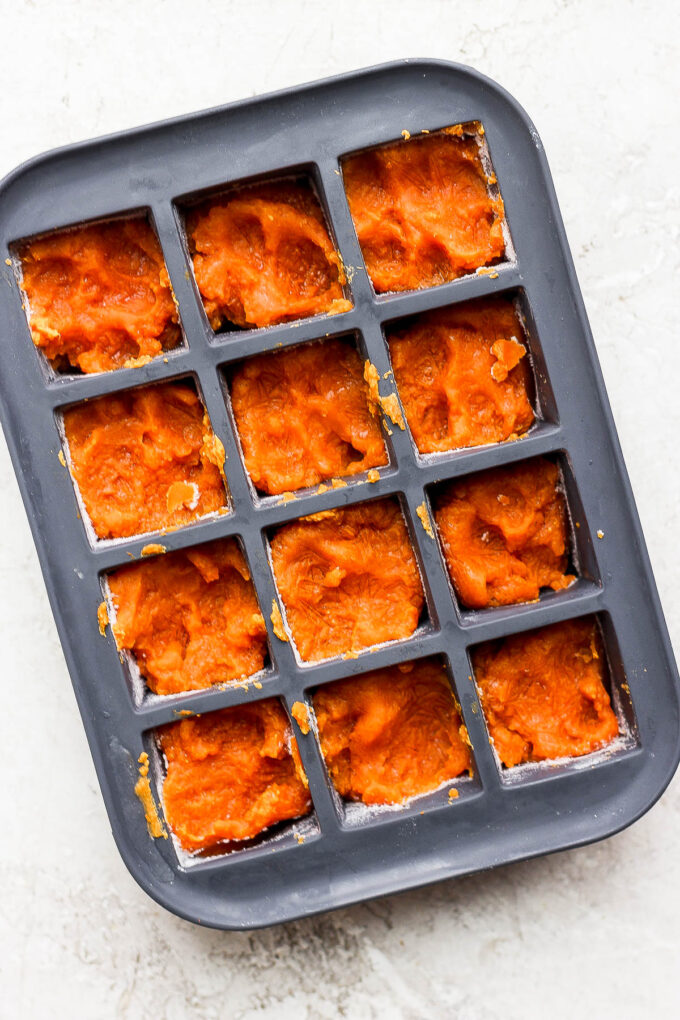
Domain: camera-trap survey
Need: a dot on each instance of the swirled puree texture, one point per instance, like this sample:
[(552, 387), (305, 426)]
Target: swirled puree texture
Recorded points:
[(392, 733), (191, 618), (304, 417), (262, 255), (543, 693), (231, 774), (99, 296), (504, 534), (423, 211), (145, 459), (463, 376), (348, 579)]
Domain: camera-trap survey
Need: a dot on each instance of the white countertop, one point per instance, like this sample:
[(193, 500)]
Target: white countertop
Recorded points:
[(588, 933)]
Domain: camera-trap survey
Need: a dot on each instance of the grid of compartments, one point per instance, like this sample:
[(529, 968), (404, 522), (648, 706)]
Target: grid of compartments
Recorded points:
[(419, 466)]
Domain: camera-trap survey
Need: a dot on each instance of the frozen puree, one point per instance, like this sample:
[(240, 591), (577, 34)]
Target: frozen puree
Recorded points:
[(348, 578), (145, 459), (99, 296), (543, 692), (190, 618), (392, 733), (303, 416), (462, 375), (422, 210), (231, 774), (262, 255), (504, 534)]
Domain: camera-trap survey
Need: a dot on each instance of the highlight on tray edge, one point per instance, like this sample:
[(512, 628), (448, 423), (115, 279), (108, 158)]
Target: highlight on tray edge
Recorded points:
[(407, 199), (97, 295), (143, 459), (554, 695), (262, 251)]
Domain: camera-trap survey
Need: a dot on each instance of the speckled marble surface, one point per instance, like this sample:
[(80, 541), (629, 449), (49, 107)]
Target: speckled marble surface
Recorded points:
[(589, 933)]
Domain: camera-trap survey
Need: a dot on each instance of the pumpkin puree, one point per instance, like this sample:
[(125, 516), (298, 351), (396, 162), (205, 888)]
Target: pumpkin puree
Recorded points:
[(462, 376), (504, 534), (422, 210), (99, 296), (348, 578), (303, 416), (190, 618), (129, 450), (263, 255), (543, 693), (231, 774), (392, 733)]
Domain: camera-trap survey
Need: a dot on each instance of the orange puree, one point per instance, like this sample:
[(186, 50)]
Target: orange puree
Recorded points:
[(263, 255), (231, 774), (99, 296), (543, 692), (348, 578), (190, 618), (392, 733), (303, 416), (463, 376), (422, 211), (504, 534), (128, 452)]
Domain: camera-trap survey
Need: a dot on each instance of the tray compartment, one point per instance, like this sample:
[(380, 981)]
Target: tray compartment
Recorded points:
[(126, 273), (243, 220)]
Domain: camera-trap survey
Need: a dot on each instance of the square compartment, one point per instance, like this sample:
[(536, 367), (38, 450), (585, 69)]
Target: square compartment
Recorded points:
[(405, 198), (274, 764), (329, 569), (585, 652), (425, 697), (187, 616), (166, 413), (97, 295), (458, 374), (303, 418), (550, 568), (263, 253)]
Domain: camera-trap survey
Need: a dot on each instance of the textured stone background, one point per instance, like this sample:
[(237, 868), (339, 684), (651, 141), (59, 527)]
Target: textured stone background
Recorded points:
[(590, 933)]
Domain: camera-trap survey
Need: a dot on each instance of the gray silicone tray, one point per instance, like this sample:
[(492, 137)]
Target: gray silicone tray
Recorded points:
[(500, 816)]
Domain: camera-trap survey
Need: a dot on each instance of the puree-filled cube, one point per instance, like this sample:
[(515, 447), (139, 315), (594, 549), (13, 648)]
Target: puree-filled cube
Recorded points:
[(99, 296), (262, 254), (145, 459), (504, 534), (231, 774), (348, 578), (304, 416), (462, 375), (393, 733), (423, 211), (190, 618), (543, 693)]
